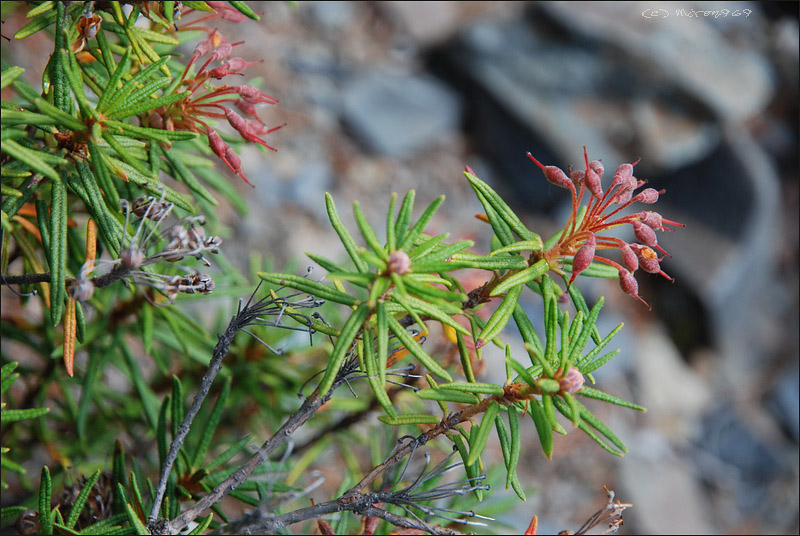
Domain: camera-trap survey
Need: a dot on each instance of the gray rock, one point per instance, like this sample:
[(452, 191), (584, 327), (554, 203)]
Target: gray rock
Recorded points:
[(397, 114)]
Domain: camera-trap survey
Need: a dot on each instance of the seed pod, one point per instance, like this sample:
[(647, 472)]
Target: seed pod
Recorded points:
[(252, 94), (652, 220), (648, 260), (583, 258), (630, 286)]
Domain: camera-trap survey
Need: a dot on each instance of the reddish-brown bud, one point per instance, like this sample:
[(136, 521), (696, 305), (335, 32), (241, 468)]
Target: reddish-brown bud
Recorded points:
[(583, 258), (597, 167), (648, 196), (238, 64), (623, 174), (629, 258), (630, 286), (577, 176), (572, 381), (253, 95), (554, 175), (593, 183), (645, 234), (247, 108), (247, 129)]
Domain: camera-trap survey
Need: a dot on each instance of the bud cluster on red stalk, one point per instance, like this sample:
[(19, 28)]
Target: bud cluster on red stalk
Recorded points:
[(202, 102), (582, 240)]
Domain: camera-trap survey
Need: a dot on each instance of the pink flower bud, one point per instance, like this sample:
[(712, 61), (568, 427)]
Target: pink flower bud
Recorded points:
[(247, 108), (583, 258), (554, 175), (253, 95), (597, 167), (577, 176), (645, 234), (629, 258), (217, 145), (622, 174), (245, 128), (399, 262), (648, 196), (218, 73), (629, 285), (594, 184), (572, 381), (656, 222), (238, 64)]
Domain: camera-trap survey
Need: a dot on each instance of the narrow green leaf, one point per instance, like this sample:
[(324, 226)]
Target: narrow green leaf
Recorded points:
[(422, 222), (525, 245), (382, 327), (111, 90), (416, 350), (203, 525), (349, 332), (45, 491), (486, 262), (482, 437), (409, 418), (476, 387), (373, 376), (80, 501), (501, 229), (445, 252), (589, 392), (404, 216), (500, 317), (543, 427), (58, 249), (147, 105), (344, 235), (516, 445), (15, 415), (600, 346), (30, 158), (473, 471), (133, 519), (244, 9), (599, 362), (308, 286), (448, 395), (502, 209), (390, 236), (368, 232), (520, 278), (9, 75)]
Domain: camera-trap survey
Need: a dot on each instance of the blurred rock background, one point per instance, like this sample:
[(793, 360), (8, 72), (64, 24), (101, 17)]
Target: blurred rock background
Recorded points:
[(381, 97)]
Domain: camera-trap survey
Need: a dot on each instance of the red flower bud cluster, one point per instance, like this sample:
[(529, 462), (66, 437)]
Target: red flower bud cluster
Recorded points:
[(582, 239), (201, 103)]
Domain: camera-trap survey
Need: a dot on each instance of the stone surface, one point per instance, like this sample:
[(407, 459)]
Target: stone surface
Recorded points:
[(397, 114)]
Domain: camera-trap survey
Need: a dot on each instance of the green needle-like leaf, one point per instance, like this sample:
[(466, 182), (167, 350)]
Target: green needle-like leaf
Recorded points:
[(80, 501), (500, 317), (417, 350), (45, 491), (520, 278), (410, 238), (482, 437), (309, 287), (348, 335), (344, 235)]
